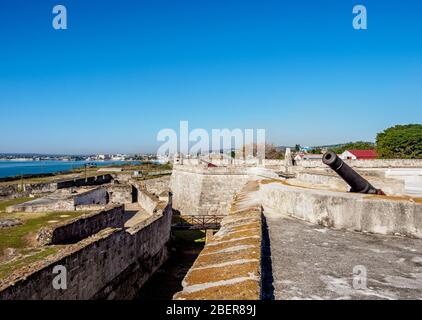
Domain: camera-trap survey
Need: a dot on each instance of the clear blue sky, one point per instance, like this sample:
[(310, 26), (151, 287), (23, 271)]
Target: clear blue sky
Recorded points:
[(126, 69)]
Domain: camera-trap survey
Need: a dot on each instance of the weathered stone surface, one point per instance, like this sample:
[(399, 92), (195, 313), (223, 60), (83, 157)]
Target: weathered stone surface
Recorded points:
[(201, 190), (315, 262), (82, 227), (358, 212), (120, 193), (112, 264), (376, 163), (63, 200), (229, 267), (6, 223), (156, 186)]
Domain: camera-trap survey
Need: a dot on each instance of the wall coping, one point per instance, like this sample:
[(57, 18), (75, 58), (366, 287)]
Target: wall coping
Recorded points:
[(229, 266)]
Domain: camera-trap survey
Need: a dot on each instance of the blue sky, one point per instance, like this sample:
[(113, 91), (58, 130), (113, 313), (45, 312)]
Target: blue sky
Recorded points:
[(126, 69)]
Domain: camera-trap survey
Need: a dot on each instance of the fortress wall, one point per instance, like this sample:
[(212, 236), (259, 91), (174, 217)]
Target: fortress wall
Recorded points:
[(95, 196), (156, 186), (120, 193), (328, 180), (8, 191), (82, 227), (36, 188), (60, 201), (389, 186), (186, 188), (147, 201), (202, 190), (44, 205), (358, 212), (113, 264), (90, 181), (376, 163)]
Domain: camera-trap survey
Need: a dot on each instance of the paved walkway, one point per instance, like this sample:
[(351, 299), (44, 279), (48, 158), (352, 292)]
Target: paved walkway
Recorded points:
[(313, 262), (135, 214)]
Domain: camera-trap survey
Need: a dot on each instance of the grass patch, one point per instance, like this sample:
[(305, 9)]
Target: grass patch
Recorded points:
[(7, 203), (191, 237), (17, 237), (25, 260)]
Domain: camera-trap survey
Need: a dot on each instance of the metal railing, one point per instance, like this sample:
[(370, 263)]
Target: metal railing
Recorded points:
[(198, 222)]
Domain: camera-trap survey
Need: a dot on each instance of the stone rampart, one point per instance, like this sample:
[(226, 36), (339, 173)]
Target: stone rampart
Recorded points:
[(82, 182), (376, 163), (202, 190), (112, 264), (341, 210), (63, 200), (229, 267), (14, 190), (82, 227), (94, 196), (120, 193), (156, 186)]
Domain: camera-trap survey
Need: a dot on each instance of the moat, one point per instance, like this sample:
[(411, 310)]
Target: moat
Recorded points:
[(166, 281)]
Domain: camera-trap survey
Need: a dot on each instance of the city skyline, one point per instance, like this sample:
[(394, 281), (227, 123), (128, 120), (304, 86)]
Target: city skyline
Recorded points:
[(123, 71)]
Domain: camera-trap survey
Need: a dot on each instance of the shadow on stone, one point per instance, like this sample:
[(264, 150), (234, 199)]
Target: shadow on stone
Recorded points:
[(267, 288)]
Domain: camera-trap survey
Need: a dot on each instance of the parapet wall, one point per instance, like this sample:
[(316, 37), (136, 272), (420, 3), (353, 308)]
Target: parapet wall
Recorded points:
[(333, 181), (358, 212), (90, 181), (82, 227), (63, 200), (376, 163), (201, 190), (13, 190), (94, 196), (147, 201), (113, 264)]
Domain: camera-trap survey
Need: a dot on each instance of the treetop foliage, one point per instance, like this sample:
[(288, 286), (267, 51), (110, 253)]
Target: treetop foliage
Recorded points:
[(400, 142)]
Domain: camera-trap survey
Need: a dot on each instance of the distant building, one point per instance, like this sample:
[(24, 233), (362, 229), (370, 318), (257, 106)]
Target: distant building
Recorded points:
[(308, 156), (359, 155)]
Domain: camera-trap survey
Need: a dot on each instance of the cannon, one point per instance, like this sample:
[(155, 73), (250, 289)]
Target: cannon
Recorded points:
[(352, 178)]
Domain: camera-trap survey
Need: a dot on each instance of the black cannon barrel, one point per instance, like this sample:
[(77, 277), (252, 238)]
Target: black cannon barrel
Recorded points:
[(353, 179)]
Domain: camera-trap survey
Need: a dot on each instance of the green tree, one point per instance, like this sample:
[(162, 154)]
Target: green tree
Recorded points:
[(315, 151), (400, 141), (358, 145), (297, 147)]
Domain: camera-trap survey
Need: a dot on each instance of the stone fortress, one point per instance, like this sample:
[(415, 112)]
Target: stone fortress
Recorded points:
[(288, 232)]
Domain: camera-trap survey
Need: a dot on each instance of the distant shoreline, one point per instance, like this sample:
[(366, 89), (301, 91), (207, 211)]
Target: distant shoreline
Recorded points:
[(11, 169)]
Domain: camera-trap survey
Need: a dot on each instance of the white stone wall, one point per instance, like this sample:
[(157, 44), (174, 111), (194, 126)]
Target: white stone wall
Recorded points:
[(377, 163), (199, 190), (156, 186), (147, 201), (358, 212), (96, 196)]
